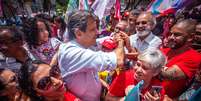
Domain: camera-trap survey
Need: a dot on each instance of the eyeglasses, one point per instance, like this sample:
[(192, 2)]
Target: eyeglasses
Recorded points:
[(141, 22), (45, 82)]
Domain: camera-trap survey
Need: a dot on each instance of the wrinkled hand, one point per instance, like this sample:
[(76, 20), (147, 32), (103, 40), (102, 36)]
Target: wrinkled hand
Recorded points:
[(149, 97)]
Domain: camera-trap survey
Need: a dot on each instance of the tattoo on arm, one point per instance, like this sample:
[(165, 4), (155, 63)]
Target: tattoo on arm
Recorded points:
[(174, 73)]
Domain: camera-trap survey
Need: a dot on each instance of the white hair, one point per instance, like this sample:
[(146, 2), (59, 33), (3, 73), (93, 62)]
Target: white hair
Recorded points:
[(154, 58)]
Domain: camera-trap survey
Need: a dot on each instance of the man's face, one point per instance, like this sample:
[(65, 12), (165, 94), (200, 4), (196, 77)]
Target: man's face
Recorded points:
[(122, 26), (10, 46), (143, 26), (197, 37), (89, 37), (177, 38), (132, 20)]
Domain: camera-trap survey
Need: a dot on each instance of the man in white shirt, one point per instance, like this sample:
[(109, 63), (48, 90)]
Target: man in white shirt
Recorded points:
[(144, 38), (80, 64)]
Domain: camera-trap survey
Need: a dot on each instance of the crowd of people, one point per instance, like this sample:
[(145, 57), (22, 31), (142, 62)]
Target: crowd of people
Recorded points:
[(48, 59)]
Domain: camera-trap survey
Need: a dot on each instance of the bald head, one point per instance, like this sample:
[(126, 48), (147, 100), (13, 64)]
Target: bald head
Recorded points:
[(148, 16), (122, 26), (187, 26)]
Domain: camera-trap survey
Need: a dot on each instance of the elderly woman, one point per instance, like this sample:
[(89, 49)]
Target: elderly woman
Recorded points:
[(149, 65)]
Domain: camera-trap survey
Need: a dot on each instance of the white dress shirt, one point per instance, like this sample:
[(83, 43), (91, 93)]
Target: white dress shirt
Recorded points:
[(79, 67), (151, 41)]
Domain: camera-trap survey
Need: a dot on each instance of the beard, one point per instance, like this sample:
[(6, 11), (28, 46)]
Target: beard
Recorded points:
[(143, 33), (174, 45)]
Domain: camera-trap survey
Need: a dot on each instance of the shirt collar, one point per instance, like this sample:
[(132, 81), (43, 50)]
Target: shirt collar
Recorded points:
[(148, 38)]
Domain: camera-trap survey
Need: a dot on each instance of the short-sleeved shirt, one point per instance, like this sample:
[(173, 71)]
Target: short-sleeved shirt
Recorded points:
[(126, 78), (151, 41), (189, 63), (46, 51), (79, 68)]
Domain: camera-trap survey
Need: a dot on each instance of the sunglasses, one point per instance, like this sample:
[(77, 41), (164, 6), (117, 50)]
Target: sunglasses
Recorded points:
[(45, 82), (197, 33), (141, 22)]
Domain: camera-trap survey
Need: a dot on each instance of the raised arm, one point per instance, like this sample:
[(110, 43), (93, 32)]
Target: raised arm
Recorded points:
[(119, 51)]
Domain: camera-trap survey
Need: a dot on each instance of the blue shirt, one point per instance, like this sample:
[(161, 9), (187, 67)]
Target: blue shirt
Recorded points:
[(79, 68)]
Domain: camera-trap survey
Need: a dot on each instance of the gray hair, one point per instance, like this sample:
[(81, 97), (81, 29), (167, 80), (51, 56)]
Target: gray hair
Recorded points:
[(154, 58), (78, 19), (151, 17)]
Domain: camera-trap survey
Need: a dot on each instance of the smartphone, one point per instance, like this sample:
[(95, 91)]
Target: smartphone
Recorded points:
[(156, 88)]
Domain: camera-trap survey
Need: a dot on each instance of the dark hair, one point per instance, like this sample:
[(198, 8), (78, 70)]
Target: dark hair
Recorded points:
[(135, 12), (78, 19), (31, 31), (188, 25), (25, 80), (16, 34), (60, 20), (44, 17)]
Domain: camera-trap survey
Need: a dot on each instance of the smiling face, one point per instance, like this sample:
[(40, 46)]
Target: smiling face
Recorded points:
[(10, 82), (144, 25), (177, 38), (46, 83), (143, 72)]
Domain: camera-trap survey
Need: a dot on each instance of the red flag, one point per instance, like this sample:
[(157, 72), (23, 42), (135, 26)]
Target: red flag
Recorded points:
[(117, 9)]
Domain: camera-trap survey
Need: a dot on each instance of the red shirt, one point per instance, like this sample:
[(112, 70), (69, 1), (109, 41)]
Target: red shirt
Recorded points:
[(189, 63), (69, 97), (123, 80)]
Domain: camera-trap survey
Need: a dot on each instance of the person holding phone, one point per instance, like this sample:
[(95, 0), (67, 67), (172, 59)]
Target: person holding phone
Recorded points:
[(149, 64)]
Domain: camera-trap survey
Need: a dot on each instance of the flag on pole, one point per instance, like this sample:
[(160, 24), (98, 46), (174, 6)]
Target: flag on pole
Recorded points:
[(164, 7), (83, 5), (134, 94)]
